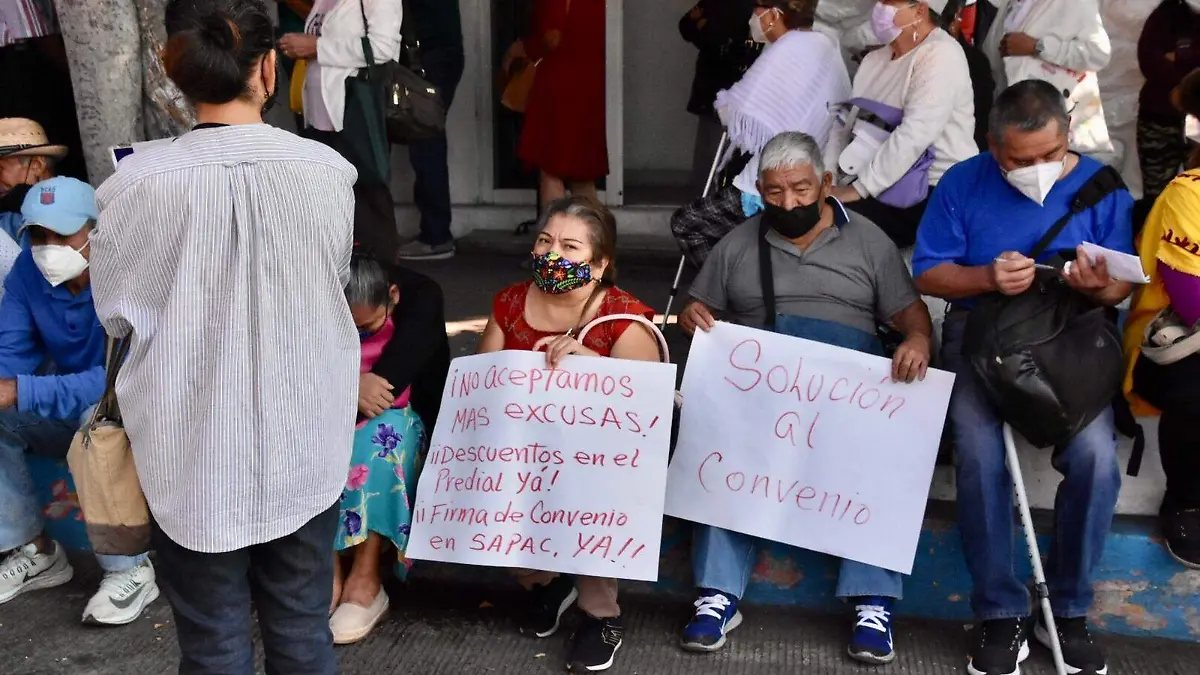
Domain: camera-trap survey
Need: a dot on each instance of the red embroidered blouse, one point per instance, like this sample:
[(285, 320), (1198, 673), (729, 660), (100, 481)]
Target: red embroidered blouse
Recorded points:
[(508, 308)]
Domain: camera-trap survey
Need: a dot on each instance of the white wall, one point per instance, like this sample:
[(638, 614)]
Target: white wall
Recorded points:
[(659, 65)]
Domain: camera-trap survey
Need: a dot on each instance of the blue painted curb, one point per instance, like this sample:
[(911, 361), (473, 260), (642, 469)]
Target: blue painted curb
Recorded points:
[(1140, 590)]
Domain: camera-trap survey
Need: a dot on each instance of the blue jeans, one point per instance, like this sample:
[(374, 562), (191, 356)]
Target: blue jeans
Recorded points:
[(288, 580), (1083, 505), (430, 158), (722, 560), (20, 514)]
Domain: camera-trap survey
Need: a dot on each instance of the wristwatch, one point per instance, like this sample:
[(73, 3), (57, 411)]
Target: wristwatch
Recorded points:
[(1039, 47)]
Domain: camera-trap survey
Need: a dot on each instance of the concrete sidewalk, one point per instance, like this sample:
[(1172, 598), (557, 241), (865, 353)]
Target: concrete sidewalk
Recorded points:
[(436, 629)]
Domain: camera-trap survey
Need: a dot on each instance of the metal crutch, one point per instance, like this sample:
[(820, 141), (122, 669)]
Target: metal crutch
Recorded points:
[(1035, 556), (712, 175)]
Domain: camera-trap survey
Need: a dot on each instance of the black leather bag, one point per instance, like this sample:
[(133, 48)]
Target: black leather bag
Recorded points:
[(1050, 358), (413, 108)]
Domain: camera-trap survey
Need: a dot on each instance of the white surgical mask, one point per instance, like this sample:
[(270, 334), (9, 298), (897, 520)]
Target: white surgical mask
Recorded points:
[(59, 264), (1194, 5), (757, 33), (1036, 181), (883, 23)]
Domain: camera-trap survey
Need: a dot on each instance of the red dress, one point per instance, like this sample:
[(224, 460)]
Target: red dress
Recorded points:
[(565, 133), (509, 310)]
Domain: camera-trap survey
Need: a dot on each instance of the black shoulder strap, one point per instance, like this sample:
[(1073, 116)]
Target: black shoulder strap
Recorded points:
[(368, 52), (1104, 183), (766, 274)]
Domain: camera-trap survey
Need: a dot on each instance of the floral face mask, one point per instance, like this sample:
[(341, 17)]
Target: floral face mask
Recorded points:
[(554, 274)]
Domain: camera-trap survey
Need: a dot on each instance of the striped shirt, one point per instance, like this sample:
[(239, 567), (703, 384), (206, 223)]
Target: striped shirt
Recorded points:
[(24, 19), (224, 255)]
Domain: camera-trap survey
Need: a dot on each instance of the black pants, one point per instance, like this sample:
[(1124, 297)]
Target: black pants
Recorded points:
[(430, 158), (289, 581), (37, 86), (375, 228), (900, 225), (1179, 450)]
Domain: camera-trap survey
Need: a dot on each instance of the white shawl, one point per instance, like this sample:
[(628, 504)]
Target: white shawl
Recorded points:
[(789, 88)]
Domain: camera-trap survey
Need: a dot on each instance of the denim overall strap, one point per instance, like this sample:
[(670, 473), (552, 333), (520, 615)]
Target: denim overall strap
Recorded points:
[(828, 332)]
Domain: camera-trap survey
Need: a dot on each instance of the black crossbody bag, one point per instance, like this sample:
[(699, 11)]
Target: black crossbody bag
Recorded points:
[(1050, 358)]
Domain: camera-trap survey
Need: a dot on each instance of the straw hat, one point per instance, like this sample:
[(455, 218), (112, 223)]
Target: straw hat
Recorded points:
[(20, 137)]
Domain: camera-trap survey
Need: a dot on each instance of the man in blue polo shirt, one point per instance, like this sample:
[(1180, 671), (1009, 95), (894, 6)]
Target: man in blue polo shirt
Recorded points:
[(986, 214), (51, 374)]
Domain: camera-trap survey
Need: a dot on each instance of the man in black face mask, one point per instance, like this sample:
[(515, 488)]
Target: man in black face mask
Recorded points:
[(809, 268)]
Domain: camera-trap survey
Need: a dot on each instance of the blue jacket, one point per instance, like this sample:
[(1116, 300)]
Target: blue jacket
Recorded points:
[(10, 222), (42, 325)]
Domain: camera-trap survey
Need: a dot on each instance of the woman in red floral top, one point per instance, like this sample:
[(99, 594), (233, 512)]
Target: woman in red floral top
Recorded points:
[(573, 274)]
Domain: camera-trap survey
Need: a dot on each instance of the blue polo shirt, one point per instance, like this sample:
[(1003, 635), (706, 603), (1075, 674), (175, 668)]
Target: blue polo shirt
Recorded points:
[(39, 324), (975, 215)]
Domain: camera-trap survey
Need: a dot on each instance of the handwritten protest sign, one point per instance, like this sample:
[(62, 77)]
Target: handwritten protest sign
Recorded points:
[(806, 444), (560, 469)]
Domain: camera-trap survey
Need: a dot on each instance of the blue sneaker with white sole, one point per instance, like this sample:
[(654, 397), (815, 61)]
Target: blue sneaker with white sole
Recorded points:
[(871, 641), (716, 615)]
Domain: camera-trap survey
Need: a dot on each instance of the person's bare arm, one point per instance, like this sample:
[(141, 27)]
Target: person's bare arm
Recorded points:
[(911, 359), (637, 343), (1010, 274), (492, 339)]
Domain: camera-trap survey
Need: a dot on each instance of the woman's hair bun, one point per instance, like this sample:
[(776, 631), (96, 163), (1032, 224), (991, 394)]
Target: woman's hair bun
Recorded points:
[(219, 31), (214, 46)]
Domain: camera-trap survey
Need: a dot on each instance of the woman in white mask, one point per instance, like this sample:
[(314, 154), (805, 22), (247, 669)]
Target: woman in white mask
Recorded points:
[(1062, 42), (922, 75), (791, 87)]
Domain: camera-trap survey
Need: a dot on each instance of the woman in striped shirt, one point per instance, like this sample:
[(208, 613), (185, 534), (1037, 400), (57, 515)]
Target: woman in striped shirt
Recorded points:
[(223, 261)]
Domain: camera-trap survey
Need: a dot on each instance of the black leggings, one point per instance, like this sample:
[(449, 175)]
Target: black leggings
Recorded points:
[(1179, 450)]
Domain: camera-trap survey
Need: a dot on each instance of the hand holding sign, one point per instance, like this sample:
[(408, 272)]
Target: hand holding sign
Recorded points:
[(806, 444), (552, 468)]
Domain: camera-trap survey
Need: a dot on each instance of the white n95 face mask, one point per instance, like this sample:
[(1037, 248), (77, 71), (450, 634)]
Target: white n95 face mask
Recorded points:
[(1036, 181), (757, 33), (59, 264)]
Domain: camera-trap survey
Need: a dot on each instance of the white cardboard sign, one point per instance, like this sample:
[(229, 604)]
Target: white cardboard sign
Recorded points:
[(807, 444), (558, 469)]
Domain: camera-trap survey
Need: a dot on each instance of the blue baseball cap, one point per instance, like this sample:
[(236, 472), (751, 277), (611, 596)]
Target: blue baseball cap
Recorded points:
[(62, 205)]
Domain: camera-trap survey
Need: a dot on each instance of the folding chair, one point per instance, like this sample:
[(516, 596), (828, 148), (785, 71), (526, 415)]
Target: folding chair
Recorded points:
[(1035, 556)]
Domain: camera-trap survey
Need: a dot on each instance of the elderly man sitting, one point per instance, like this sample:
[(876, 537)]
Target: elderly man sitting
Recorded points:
[(47, 316), (833, 275), (26, 157)]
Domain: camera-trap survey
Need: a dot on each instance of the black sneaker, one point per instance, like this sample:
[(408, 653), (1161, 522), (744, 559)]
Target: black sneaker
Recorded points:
[(1181, 529), (1079, 653), (546, 606), (997, 646), (594, 645)]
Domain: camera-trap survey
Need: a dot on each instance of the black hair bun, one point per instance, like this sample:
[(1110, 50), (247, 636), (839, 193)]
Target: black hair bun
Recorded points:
[(217, 30)]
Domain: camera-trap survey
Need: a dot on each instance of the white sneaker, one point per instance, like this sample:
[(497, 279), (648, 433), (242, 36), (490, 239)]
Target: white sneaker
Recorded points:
[(24, 569), (122, 596)]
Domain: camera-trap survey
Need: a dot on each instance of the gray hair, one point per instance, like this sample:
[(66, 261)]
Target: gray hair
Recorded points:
[(788, 150), (370, 285), (1027, 106)]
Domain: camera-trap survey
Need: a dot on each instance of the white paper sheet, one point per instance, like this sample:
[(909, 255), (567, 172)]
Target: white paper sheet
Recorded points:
[(1121, 266)]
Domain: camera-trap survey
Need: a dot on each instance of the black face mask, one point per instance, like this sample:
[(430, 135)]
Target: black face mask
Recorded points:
[(795, 223)]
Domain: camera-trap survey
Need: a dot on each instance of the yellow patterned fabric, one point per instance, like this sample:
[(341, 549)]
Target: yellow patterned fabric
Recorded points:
[(1171, 236), (296, 93)]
